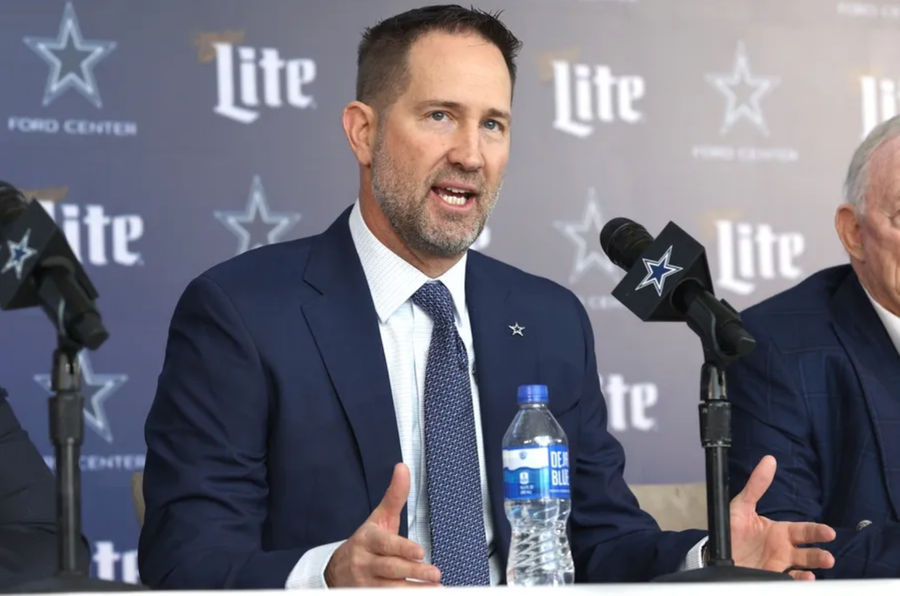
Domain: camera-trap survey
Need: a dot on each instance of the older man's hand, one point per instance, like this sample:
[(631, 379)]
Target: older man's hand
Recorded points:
[(759, 542)]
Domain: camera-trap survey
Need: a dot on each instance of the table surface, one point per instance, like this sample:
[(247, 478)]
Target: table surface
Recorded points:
[(868, 587)]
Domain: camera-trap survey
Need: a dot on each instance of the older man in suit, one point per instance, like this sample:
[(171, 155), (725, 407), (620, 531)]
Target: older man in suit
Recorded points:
[(822, 389)]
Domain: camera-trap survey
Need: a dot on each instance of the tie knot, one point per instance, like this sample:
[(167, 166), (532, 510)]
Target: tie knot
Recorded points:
[(435, 299)]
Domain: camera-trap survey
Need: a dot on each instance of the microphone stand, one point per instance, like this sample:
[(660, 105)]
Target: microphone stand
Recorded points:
[(57, 283), (715, 436), (67, 431)]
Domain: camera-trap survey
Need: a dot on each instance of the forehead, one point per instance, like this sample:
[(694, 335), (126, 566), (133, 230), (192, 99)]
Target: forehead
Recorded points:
[(884, 173), (458, 67)]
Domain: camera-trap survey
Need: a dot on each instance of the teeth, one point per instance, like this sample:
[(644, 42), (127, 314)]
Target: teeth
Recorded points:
[(452, 200), (458, 190)]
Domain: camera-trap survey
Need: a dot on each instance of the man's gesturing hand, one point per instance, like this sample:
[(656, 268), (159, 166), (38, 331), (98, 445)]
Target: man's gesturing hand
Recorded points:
[(376, 555), (757, 541)]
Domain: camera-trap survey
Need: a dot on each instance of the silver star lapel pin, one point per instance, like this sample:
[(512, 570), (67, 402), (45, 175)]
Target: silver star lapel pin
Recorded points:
[(517, 329)]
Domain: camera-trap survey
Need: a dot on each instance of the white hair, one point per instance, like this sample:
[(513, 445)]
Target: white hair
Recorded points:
[(857, 182)]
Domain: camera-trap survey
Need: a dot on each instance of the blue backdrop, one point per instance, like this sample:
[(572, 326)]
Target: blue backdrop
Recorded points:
[(166, 136)]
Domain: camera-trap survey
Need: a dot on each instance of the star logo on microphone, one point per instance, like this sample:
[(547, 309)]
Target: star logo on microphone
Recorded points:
[(658, 271), (71, 58), (257, 226), (19, 252), (743, 91), (97, 388)]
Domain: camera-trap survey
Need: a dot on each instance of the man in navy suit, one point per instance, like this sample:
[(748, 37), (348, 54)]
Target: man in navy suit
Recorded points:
[(296, 375), (822, 389), (28, 540)]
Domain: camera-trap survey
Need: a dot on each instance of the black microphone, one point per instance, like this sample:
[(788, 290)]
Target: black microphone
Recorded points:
[(623, 241), (38, 268), (668, 279)]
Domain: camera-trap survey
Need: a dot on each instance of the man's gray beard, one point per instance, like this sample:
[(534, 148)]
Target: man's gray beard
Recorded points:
[(412, 224)]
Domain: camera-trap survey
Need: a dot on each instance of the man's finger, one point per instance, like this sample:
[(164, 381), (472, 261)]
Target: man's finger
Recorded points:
[(759, 482), (811, 558), (397, 568), (384, 543), (387, 514), (802, 575), (809, 532)]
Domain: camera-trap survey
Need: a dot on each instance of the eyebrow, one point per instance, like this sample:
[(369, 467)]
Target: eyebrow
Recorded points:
[(456, 106)]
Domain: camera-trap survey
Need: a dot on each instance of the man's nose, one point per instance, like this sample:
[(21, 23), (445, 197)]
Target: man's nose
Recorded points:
[(466, 151)]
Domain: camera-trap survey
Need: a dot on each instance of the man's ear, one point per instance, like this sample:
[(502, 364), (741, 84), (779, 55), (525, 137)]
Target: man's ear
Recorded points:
[(847, 224), (360, 123)]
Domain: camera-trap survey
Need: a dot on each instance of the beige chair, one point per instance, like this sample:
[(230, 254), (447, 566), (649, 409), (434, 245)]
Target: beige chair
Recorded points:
[(137, 495), (675, 506)]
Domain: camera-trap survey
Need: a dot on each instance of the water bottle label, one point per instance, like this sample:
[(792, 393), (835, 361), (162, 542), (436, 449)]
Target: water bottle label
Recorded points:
[(536, 472)]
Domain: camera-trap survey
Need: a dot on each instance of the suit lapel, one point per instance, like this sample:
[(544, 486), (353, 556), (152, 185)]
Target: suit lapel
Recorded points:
[(344, 324), (501, 360), (877, 366)]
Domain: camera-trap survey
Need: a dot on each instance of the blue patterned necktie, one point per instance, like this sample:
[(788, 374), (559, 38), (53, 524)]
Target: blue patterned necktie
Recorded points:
[(458, 546)]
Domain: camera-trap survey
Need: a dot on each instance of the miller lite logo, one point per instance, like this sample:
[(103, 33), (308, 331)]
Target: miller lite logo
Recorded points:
[(629, 404), (586, 94), (249, 79), (748, 252), (879, 101)]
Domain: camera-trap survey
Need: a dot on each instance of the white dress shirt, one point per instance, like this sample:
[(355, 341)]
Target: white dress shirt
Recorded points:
[(405, 335)]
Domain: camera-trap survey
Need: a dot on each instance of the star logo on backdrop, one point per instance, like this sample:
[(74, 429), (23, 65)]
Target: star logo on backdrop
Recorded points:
[(19, 252), (256, 226), (517, 329), (96, 389), (658, 271), (71, 58), (585, 235), (743, 92)]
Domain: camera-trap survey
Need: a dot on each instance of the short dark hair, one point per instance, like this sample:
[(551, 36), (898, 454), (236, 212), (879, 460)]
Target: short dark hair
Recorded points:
[(382, 69)]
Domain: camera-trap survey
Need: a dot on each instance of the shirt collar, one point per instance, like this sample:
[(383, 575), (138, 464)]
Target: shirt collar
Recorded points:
[(890, 321), (392, 280)]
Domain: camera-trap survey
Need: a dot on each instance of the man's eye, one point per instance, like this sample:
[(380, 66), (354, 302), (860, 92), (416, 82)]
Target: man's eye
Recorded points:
[(438, 116), (493, 125)]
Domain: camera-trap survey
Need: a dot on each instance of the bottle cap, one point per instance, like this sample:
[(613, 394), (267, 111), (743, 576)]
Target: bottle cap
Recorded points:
[(533, 394)]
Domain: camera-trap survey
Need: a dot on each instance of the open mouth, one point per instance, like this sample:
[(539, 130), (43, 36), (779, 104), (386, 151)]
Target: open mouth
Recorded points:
[(453, 195)]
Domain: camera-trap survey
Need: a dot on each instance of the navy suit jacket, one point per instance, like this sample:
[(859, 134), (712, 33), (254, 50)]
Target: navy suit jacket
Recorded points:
[(273, 427), (821, 392), (28, 541)]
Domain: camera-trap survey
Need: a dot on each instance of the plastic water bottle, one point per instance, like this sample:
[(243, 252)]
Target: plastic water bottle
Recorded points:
[(536, 491)]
